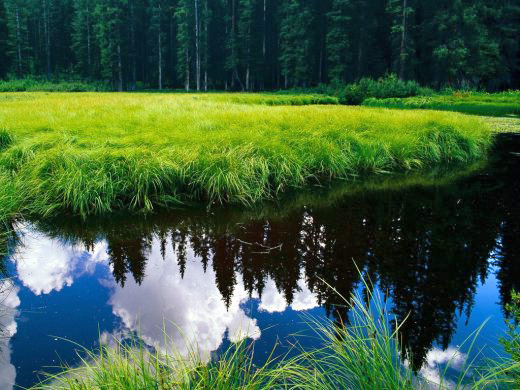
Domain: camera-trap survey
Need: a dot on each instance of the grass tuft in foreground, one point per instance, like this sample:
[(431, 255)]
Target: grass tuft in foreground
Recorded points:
[(94, 153), (363, 354)]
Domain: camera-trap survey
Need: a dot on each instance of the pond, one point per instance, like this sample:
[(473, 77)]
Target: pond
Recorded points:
[(445, 256)]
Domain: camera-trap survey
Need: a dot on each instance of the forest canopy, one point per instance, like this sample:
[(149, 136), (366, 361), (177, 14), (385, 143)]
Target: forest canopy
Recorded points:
[(261, 44)]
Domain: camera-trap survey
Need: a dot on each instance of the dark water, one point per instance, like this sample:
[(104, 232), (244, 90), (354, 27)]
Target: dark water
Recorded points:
[(446, 256)]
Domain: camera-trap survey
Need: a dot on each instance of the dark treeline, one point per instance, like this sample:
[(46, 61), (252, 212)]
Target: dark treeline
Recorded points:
[(261, 44)]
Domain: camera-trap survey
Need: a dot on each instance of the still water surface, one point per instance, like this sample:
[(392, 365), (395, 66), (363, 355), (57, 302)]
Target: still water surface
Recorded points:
[(446, 255)]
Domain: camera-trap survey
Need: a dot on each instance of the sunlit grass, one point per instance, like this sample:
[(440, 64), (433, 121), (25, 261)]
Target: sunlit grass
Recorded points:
[(93, 153)]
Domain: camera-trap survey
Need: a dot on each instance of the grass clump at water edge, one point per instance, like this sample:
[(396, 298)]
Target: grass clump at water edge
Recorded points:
[(95, 153), (504, 104)]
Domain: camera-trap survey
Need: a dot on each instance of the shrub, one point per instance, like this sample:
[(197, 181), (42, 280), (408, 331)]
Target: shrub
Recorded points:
[(37, 85), (386, 87)]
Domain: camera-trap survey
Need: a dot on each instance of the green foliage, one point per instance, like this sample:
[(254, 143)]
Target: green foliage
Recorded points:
[(476, 103), (100, 152), (385, 87)]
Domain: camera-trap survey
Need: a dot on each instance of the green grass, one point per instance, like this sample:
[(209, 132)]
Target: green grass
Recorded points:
[(511, 342), (93, 153), (365, 354), (271, 99), (475, 103)]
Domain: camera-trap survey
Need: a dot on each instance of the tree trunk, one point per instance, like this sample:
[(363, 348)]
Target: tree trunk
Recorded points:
[(206, 44), (197, 45), (89, 53), (402, 56), (320, 70), (160, 57), (361, 36), (47, 37), (18, 42), (187, 78), (265, 28), (119, 69), (132, 44)]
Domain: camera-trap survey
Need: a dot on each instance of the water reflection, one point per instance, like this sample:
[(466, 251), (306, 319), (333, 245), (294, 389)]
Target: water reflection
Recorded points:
[(427, 248), (9, 301), (188, 306)]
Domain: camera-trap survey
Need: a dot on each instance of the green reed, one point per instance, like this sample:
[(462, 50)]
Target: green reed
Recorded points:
[(366, 353)]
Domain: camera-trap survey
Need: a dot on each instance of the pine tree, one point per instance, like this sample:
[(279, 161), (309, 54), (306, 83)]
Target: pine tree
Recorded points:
[(184, 18), (157, 38), (296, 42), (83, 37), (18, 37), (338, 40), (232, 44), (401, 14), (246, 37), (109, 33)]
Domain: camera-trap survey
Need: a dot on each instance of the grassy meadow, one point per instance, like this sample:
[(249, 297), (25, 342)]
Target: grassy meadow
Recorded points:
[(92, 153), (474, 103)]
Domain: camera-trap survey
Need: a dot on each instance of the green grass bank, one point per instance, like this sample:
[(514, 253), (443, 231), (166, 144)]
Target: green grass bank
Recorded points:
[(474, 103), (93, 153)]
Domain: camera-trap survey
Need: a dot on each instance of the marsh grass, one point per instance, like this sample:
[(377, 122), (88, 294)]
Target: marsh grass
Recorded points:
[(129, 364), (272, 99), (94, 153), (475, 103), (364, 353)]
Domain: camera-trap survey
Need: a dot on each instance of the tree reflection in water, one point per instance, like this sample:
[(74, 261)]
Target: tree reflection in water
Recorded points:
[(426, 247)]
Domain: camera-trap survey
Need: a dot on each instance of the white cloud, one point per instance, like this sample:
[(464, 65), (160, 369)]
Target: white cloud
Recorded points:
[(435, 358), (191, 309), (45, 264), (273, 300), (304, 299), (9, 301)]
